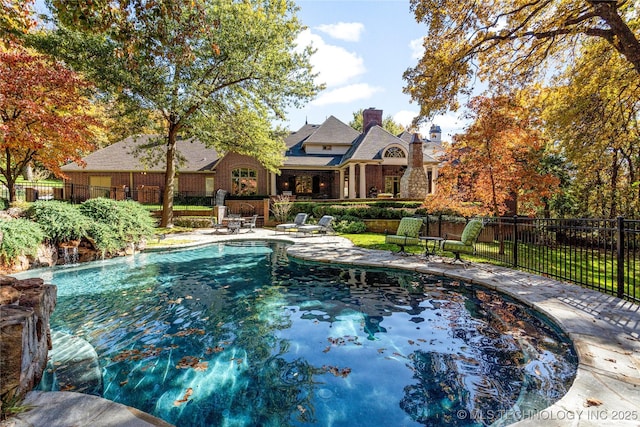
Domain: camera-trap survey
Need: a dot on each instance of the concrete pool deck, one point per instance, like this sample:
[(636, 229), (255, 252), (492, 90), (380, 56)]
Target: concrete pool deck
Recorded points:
[(605, 332)]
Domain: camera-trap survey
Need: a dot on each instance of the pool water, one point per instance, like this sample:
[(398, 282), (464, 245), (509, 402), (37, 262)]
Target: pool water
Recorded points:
[(241, 335)]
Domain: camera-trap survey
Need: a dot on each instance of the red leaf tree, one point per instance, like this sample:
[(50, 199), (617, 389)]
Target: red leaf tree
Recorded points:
[(44, 115), (495, 165)]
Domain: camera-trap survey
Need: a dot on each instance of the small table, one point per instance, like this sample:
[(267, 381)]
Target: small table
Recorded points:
[(434, 246), (233, 224)]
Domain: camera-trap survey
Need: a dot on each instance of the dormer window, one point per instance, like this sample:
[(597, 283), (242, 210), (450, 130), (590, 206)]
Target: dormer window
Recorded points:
[(395, 152), (326, 148)]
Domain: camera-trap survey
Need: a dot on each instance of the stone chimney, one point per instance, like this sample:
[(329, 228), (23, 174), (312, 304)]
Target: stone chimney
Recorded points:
[(413, 184), (371, 117)]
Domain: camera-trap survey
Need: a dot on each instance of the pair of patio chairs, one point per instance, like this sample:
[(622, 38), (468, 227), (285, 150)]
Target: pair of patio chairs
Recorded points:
[(409, 229)]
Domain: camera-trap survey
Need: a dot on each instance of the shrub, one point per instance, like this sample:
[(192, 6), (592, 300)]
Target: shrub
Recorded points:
[(60, 221), (126, 221), (19, 237), (193, 222), (349, 224), (4, 204), (281, 208)]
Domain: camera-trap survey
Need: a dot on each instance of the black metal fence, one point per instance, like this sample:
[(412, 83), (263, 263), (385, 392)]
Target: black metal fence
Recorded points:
[(601, 254)]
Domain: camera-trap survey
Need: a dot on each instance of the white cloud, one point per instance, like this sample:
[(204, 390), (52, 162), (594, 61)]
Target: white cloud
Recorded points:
[(346, 94), (404, 117), (335, 65), (417, 50), (347, 31)]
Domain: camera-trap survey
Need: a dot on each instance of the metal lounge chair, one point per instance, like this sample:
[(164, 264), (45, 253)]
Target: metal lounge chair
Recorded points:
[(467, 241), (299, 220), (250, 224), (408, 233), (323, 226)]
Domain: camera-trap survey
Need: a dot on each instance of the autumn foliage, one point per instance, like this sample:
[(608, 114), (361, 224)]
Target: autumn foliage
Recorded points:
[(495, 163), (43, 115)]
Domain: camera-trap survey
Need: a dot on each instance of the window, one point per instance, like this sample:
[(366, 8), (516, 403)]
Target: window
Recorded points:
[(304, 184), (326, 147), (209, 186), (395, 152), (244, 182)]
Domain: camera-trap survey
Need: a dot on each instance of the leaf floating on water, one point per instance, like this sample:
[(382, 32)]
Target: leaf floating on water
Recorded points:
[(592, 402), (381, 350), (411, 342), (336, 371), (327, 348), (187, 395), (216, 349), (123, 383), (201, 366), (188, 362)]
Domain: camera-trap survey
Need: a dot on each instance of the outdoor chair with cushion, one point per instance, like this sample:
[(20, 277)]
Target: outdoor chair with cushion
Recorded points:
[(467, 241), (299, 220), (322, 227), (408, 233)]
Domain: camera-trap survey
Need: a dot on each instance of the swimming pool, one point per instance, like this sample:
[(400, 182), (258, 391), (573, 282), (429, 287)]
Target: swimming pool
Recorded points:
[(241, 335)]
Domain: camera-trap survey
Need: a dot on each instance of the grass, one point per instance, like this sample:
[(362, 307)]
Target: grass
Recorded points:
[(582, 267)]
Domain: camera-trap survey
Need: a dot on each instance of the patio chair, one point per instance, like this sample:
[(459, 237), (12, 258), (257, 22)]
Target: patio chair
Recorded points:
[(299, 220), (408, 233), (250, 224), (467, 241), (323, 226)]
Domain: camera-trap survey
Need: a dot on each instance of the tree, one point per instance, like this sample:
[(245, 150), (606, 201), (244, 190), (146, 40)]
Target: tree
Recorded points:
[(496, 161), (16, 18), (43, 115), (508, 42), (388, 123), (592, 112), (213, 69)]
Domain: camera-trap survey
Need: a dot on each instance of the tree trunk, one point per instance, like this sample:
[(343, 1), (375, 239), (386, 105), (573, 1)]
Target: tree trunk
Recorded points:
[(28, 172), (169, 178)]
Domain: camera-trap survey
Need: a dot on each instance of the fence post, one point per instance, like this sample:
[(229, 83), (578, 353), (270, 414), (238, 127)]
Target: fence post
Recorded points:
[(515, 240), (620, 256)]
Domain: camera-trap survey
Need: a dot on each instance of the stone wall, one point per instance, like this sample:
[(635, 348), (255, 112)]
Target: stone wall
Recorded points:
[(25, 339)]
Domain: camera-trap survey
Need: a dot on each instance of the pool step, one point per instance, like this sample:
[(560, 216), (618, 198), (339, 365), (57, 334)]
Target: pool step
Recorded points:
[(73, 366)]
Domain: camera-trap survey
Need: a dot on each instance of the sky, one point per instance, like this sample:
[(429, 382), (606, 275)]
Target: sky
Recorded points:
[(363, 48)]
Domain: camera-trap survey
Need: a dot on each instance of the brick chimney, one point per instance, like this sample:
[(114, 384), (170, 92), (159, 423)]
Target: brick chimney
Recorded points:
[(371, 117), (413, 184)]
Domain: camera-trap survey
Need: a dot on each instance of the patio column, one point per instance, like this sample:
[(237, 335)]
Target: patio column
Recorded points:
[(341, 184), (363, 181), (272, 184), (352, 181)]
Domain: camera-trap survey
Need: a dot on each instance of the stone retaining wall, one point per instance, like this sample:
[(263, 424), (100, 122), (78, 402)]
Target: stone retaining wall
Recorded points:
[(25, 338)]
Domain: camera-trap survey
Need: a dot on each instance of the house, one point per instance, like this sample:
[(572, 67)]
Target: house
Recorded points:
[(326, 161)]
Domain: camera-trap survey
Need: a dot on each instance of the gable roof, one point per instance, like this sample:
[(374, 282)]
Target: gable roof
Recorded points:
[(371, 145), (333, 132), (121, 156)]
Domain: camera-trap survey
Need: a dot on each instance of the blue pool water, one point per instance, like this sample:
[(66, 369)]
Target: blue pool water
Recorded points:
[(241, 335)]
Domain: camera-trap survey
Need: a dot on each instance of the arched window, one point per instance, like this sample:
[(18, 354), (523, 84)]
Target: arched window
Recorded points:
[(395, 152), (244, 182)]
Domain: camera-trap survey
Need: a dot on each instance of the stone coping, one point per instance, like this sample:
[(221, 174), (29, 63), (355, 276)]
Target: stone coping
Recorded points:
[(605, 332)]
